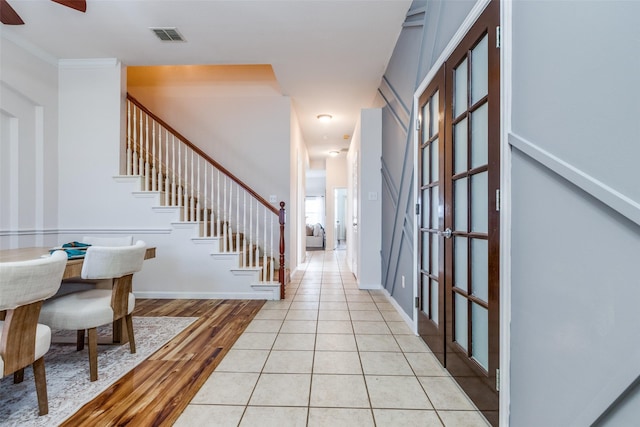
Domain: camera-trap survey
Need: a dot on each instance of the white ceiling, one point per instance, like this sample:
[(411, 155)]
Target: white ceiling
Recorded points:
[(327, 55)]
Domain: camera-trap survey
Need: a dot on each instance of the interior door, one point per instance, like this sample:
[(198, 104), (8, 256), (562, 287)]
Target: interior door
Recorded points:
[(431, 307), (459, 173), (471, 180)]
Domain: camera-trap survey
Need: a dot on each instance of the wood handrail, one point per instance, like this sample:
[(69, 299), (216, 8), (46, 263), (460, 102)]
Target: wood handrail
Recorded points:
[(279, 212), (205, 156)]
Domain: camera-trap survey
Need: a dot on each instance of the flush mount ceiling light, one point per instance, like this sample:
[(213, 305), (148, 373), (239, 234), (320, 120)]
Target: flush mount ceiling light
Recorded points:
[(324, 118), (334, 153)]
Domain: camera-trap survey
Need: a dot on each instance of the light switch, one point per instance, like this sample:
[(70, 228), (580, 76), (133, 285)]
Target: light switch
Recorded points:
[(373, 195), (273, 198)]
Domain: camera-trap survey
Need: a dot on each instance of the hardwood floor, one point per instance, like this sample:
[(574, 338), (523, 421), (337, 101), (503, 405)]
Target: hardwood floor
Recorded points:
[(156, 392)]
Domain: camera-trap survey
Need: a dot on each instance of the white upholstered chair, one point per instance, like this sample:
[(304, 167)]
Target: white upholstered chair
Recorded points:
[(23, 342), (86, 310), (75, 284)]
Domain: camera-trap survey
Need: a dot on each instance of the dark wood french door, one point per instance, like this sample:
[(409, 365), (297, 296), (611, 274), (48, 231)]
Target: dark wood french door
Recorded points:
[(431, 312), (459, 170)]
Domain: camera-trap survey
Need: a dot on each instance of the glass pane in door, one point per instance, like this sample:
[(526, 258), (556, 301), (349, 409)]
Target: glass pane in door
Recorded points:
[(426, 119), (461, 321), (435, 158), (435, 207), (425, 251), (480, 334), (434, 301), (460, 205), (426, 163), (479, 136), (460, 147), (479, 203), (425, 294), (479, 70), (434, 253), (433, 128), (479, 268), (426, 208), (460, 89), (460, 268)]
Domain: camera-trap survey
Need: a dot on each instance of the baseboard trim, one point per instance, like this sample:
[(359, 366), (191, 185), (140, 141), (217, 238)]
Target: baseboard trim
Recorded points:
[(265, 295), (400, 311)]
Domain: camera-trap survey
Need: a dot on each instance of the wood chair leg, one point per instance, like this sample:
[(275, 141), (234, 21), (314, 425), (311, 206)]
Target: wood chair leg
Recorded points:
[(117, 331), (132, 342), (41, 386), (93, 354), (80, 341), (18, 376)]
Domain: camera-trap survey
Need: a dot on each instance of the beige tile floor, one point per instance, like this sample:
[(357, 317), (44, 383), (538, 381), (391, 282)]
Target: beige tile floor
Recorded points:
[(329, 355)]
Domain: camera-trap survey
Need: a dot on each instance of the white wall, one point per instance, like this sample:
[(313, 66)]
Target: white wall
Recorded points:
[(244, 127), (28, 146), (370, 199), (89, 155), (365, 151), (299, 159), (575, 283)]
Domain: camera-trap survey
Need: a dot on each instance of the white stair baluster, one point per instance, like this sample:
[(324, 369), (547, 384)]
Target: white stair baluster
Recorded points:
[(211, 199), (218, 225), (192, 200), (230, 212), (264, 248), (129, 153), (159, 161), (147, 180), (154, 170), (134, 158), (250, 233), (273, 260), (174, 197), (179, 189), (141, 142), (224, 217), (244, 229), (237, 221), (257, 245), (204, 198), (166, 168), (198, 194)]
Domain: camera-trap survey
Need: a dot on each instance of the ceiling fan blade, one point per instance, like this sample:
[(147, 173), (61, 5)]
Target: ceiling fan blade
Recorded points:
[(80, 5), (8, 15)]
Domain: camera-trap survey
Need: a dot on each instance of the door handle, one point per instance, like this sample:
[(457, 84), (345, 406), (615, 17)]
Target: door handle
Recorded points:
[(446, 233)]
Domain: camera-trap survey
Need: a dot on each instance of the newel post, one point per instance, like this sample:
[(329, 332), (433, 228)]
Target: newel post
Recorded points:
[(281, 270)]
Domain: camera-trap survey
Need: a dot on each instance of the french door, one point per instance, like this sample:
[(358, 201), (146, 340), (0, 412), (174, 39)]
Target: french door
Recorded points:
[(431, 313), (459, 225)]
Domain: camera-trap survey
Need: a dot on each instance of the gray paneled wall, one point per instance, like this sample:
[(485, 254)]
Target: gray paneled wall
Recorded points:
[(428, 29), (575, 335), (574, 85)]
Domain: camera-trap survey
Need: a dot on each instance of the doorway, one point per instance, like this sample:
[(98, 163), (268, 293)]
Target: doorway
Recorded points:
[(459, 177), (340, 234)]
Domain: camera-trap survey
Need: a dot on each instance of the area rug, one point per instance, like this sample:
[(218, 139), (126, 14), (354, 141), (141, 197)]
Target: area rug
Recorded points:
[(68, 384)]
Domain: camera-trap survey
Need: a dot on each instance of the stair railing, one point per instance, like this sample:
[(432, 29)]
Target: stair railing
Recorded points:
[(208, 194)]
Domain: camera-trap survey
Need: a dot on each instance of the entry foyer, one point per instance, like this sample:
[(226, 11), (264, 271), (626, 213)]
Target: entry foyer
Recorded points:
[(330, 354)]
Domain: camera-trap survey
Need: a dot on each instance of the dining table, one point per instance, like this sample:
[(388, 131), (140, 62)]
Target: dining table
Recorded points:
[(73, 269), (74, 265)]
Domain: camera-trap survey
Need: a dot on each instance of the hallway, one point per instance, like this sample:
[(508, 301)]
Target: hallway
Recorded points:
[(329, 355)]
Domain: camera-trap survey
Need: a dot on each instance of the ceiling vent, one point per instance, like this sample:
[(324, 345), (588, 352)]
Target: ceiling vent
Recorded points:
[(169, 34)]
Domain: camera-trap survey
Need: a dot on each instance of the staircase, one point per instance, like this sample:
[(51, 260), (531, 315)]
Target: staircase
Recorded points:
[(242, 231)]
